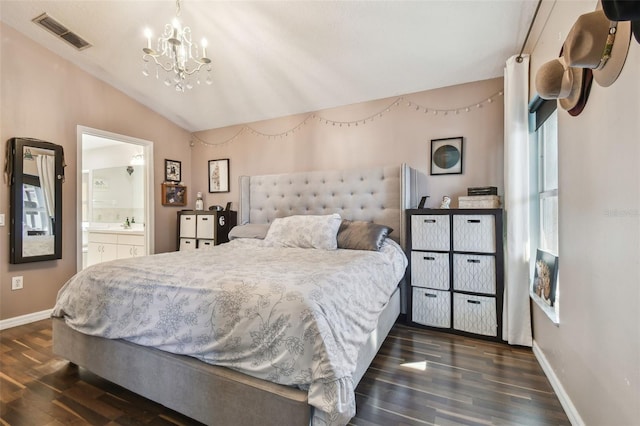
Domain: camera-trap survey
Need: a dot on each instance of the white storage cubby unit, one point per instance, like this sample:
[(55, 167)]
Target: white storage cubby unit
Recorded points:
[(200, 229), (456, 270)]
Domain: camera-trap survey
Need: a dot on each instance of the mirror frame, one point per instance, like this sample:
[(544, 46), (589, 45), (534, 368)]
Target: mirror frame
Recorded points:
[(17, 145)]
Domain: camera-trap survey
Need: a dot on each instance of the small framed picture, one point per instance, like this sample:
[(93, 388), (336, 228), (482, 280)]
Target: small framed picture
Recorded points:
[(545, 277), (174, 195), (446, 156), (219, 175), (423, 201), (172, 170)]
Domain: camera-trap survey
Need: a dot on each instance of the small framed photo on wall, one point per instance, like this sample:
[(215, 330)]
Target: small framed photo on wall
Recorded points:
[(174, 195), (446, 156), (172, 171), (219, 175)]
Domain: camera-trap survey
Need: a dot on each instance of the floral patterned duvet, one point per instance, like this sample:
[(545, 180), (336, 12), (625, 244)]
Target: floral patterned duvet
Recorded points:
[(288, 315)]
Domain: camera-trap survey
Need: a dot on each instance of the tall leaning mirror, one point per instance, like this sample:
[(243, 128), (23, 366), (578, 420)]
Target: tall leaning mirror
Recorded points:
[(36, 170)]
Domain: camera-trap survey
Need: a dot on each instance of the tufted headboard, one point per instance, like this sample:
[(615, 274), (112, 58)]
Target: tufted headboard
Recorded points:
[(378, 195)]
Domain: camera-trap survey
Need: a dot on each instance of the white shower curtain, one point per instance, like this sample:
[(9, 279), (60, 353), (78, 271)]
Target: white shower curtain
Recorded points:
[(516, 313), (47, 173)]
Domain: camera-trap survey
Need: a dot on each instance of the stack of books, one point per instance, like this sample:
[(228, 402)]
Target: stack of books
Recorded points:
[(483, 190)]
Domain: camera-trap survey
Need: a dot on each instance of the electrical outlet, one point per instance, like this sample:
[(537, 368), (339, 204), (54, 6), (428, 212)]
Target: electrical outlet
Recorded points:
[(17, 283)]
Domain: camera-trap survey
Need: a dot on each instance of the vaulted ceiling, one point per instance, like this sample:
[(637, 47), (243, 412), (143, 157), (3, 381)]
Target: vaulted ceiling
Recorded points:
[(276, 58)]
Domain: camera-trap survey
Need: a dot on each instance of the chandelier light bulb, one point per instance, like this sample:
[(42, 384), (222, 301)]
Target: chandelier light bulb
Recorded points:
[(148, 34), (204, 58)]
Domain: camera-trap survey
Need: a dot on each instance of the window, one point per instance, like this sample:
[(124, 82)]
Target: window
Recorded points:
[(547, 141), (544, 191)]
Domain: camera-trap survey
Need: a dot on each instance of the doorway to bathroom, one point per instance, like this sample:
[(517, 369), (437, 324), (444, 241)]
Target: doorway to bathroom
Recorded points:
[(115, 197)]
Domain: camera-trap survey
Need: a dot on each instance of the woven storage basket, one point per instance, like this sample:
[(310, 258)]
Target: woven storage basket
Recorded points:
[(479, 202)]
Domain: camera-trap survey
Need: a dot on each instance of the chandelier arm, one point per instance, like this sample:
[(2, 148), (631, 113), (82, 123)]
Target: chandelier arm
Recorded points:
[(155, 59), (195, 70)]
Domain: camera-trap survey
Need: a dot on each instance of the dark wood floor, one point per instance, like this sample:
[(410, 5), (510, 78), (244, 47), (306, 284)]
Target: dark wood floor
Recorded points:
[(418, 378)]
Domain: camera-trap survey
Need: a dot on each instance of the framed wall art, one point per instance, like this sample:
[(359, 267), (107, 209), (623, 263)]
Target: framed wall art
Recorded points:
[(172, 170), (174, 195), (545, 277), (219, 175), (446, 156)]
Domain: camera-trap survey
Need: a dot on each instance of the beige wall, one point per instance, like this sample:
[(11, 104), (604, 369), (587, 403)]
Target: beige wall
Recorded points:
[(595, 350), (401, 135), (45, 97)]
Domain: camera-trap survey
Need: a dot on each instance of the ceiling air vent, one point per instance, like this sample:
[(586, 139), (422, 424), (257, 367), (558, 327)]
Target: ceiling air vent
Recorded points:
[(59, 30)]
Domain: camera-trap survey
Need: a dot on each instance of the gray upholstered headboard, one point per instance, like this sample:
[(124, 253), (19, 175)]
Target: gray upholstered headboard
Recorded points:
[(379, 195)]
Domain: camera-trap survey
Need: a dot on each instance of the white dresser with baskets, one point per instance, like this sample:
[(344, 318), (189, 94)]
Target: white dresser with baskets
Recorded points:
[(456, 270)]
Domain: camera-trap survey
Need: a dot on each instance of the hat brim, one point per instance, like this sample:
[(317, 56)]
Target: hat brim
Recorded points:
[(606, 76), (576, 89), (587, 81)]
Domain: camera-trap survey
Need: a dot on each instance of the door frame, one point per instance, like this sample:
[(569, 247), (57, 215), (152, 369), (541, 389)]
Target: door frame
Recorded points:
[(149, 211)]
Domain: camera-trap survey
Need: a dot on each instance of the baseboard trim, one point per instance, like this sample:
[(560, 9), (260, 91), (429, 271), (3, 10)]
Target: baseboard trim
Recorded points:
[(25, 319), (565, 401)]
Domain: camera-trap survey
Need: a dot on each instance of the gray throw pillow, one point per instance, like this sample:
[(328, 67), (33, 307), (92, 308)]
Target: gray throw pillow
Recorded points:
[(250, 230), (361, 235)]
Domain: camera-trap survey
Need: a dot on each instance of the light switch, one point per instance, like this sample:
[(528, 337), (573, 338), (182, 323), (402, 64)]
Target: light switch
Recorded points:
[(1, 219)]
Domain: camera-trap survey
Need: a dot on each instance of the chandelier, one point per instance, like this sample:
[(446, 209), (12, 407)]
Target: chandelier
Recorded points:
[(176, 54)]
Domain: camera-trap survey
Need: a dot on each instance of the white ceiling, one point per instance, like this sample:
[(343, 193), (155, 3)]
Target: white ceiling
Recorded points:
[(277, 58)]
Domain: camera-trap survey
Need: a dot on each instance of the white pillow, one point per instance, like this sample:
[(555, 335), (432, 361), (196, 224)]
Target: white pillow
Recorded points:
[(305, 231)]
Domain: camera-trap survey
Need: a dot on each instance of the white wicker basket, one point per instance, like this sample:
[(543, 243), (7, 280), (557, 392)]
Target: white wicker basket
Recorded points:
[(479, 202)]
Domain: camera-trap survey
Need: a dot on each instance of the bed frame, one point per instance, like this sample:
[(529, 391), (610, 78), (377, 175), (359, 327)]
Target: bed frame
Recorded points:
[(220, 396)]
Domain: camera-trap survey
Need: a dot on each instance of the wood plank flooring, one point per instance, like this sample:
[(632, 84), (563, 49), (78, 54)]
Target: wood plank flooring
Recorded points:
[(419, 377)]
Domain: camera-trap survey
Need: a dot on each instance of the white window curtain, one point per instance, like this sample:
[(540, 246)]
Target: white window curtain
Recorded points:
[(47, 172), (516, 313)]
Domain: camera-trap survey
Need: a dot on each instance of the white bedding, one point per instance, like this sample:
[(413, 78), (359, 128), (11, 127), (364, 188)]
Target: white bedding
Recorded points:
[(289, 315)]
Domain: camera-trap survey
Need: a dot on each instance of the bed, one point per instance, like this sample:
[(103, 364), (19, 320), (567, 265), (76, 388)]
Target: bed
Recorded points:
[(272, 390)]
